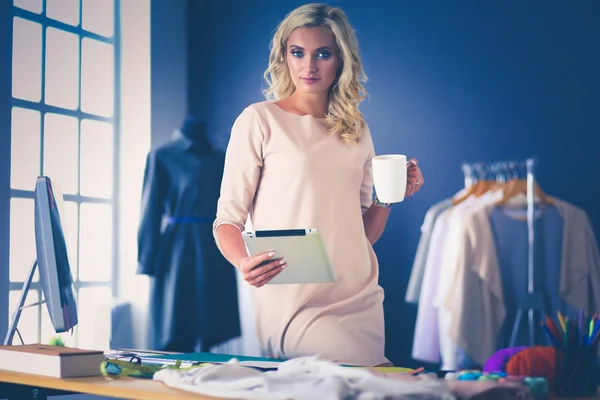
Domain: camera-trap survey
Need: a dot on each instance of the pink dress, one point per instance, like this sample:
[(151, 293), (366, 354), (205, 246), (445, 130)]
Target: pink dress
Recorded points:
[(287, 171)]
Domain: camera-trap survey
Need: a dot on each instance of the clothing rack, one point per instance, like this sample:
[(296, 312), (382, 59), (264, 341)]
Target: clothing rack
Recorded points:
[(534, 299), (502, 170)]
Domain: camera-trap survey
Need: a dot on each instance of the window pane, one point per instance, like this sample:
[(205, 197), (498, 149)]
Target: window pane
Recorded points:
[(97, 77), (25, 148), (29, 5), (27, 60), (22, 238), (28, 322), (62, 68), (94, 318), (61, 151), (66, 11), (70, 220), (96, 159), (48, 331), (95, 242), (98, 16)]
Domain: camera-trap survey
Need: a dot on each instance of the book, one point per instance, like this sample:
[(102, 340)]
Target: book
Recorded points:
[(48, 360)]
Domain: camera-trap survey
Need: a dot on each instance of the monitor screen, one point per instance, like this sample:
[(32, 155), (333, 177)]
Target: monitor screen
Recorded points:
[(52, 257)]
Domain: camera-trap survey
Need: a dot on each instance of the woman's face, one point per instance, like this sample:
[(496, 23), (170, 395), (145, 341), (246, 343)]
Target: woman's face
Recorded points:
[(313, 59)]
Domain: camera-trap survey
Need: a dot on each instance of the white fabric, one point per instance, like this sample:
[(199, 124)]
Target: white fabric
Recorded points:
[(475, 324), (415, 282), (426, 343), (426, 335), (447, 272), (580, 272), (303, 378)]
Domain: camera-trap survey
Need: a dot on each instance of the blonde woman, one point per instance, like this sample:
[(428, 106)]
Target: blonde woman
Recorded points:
[(302, 159)]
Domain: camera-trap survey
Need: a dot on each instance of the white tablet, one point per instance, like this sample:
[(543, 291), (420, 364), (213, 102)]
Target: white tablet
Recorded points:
[(303, 249)]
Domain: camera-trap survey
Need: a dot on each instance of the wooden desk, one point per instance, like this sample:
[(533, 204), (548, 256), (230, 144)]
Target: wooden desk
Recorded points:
[(15, 385), (19, 386)]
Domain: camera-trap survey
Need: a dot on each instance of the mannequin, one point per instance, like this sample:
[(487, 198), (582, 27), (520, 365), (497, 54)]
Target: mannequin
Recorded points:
[(193, 298)]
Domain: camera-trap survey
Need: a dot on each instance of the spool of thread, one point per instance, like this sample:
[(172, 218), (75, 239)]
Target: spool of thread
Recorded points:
[(469, 375), (537, 386), (488, 378)]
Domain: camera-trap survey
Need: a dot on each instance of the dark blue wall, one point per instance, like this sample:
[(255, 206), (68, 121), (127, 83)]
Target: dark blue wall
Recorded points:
[(200, 58), (5, 111), (449, 82), (168, 75)]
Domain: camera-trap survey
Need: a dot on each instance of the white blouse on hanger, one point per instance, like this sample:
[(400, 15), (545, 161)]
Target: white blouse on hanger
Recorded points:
[(456, 228), (475, 324)]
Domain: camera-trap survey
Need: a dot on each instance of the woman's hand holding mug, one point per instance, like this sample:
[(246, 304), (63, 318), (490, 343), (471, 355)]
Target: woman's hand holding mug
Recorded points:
[(394, 178)]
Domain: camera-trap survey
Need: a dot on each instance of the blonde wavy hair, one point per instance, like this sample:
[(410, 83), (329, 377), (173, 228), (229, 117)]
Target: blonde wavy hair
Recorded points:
[(343, 117)]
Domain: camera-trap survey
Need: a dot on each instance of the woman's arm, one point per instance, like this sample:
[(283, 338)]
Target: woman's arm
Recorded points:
[(374, 220), (230, 242), (377, 215), (241, 173)]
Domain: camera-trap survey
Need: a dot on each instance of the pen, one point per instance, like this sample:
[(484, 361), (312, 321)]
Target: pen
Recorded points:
[(580, 331), (552, 327), (594, 332), (552, 338), (593, 339), (561, 321)]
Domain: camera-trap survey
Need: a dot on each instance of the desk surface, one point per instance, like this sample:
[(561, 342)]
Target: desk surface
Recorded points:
[(125, 388)]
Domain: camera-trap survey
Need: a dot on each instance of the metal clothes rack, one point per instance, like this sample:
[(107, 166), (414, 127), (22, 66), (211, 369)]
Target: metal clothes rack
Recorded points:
[(534, 301)]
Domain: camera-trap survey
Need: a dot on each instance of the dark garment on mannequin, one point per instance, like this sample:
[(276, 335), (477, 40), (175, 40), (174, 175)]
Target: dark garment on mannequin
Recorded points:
[(193, 294)]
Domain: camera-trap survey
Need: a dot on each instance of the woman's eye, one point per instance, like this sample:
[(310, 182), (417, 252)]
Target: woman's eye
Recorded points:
[(296, 53), (324, 54)]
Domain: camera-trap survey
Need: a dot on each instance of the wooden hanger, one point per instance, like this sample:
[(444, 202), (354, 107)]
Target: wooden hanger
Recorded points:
[(485, 186), (477, 189), (468, 193), (519, 186)]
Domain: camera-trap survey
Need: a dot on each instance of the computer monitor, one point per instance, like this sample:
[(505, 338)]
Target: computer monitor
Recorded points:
[(52, 262)]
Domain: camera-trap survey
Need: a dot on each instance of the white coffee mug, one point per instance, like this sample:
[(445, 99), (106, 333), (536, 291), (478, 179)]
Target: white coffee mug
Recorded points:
[(389, 177)]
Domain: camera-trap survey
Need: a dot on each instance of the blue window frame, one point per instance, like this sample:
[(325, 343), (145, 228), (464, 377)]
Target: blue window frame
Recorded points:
[(64, 124)]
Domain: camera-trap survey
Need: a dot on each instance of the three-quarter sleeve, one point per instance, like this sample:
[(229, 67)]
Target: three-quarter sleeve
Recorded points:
[(366, 188), (243, 163)]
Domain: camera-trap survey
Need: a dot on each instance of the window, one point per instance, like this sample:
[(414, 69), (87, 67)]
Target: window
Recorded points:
[(64, 126)]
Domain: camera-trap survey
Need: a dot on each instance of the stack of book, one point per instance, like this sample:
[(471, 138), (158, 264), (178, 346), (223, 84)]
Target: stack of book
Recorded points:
[(48, 360)]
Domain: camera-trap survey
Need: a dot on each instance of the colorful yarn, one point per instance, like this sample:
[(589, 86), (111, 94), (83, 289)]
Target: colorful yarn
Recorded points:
[(497, 362), (535, 361)]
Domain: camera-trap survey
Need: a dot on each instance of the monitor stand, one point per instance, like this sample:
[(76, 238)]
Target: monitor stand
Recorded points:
[(21, 306)]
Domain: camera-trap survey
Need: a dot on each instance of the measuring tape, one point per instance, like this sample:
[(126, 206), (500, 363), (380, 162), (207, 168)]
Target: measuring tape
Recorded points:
[(121, 368)]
